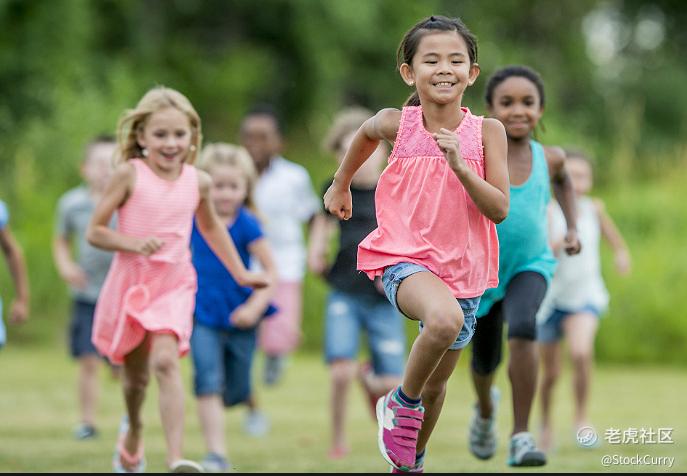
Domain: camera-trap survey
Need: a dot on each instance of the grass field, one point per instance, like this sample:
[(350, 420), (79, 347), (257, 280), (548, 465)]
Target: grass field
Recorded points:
[(38, 412)]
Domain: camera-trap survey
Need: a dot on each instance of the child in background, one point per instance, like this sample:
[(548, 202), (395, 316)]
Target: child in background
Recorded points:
[(227, 314), (515, 96), (144, 316), (355, 303), (86, 274), (285, 197), (435, 247), (577, 297), (19, 310)]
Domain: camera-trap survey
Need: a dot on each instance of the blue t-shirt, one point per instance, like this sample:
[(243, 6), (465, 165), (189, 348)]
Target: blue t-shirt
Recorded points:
[(4, 218), (218, 293), (524, 235)]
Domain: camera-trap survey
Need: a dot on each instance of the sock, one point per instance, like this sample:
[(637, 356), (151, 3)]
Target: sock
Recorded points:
[(405, 400), (420, 458)]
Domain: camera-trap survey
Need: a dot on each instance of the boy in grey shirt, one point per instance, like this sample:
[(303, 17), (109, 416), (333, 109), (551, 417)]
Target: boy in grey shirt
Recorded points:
[(84, 271)]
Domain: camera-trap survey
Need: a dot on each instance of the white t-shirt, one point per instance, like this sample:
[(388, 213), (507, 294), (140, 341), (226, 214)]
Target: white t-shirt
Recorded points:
[(285, 197), (577, 281)]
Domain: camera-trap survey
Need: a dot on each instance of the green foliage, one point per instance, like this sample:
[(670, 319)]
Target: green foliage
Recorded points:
[(69, 68)]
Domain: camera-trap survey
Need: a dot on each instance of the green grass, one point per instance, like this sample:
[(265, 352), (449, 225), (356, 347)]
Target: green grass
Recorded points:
[(38, 408)]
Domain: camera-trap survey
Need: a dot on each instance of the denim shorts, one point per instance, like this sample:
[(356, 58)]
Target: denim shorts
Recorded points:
[(395, 274), (348, 314), (222, 361), (81, 328), (551, 330)]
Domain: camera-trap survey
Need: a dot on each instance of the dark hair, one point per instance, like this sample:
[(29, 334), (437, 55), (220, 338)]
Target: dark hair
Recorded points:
[(265, 110), (571, 153), (509, 71), (103, 138), (411, 40)]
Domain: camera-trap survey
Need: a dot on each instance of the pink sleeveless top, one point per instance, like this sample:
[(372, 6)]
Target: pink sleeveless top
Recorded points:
[(155, 293), (424, 214)]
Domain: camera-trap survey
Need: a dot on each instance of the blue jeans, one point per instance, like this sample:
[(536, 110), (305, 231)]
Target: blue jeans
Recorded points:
[(222, 361), (551, 330), (348, 314), (395, 274)]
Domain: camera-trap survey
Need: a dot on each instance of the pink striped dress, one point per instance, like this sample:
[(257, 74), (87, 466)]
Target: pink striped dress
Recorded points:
[(424, 214), (156, 293)]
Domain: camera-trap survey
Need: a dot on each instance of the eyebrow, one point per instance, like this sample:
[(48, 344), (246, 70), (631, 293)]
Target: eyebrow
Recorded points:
[(431, 53)]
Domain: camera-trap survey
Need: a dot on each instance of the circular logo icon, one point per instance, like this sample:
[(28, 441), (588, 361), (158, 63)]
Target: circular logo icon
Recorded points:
[(587, 437)]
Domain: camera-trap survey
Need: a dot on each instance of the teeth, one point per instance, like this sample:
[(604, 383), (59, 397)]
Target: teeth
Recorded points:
[(445, 84)]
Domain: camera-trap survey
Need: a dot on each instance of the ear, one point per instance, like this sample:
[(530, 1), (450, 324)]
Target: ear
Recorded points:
[(474, 73), (407, 74), (139, 138)]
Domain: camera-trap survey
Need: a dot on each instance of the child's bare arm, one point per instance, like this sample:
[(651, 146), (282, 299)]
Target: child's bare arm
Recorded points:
[(67, 268), (248, 314), (217, 237), (565, 195), (610, 233), (99, 233), (382, 126), (491, 194), (318, 243), (19, 310)]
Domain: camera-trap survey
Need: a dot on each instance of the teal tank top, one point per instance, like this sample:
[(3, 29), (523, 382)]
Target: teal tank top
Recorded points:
[(523, 235)]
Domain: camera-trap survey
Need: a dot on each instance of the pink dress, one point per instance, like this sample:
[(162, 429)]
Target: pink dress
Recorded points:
[(424, 214), (156, 293)]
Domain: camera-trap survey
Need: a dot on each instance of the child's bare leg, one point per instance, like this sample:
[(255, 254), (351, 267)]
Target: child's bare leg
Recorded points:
[(522, 371), (342, 374), (551, 364), (135, 377), (164, 362), (434, 394), (211, 415), (580, 330), (381, 384), (423, 296), (88, 387)]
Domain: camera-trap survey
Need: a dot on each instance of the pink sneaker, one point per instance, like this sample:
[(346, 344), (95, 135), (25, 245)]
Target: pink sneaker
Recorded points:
[(398, 430)]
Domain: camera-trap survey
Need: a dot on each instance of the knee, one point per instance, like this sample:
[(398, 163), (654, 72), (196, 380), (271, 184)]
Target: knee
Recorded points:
[(164, 364), (341, 372), (523, 329), (443, 324), (580, 357), (550, 376), (135, 383)]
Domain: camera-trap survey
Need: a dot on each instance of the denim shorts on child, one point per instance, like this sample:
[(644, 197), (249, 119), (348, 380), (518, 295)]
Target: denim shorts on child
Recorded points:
[(392, 277), (551, 330), (222, 361), (348, 314), (81, 328)]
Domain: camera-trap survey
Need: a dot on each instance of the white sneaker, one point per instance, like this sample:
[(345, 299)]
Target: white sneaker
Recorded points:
[(524, 452), (256, 424), (185, 466), (482, 437)]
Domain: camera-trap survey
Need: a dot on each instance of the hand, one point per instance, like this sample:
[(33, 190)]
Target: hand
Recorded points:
[(19, 312), (75, 276), (147, 246), (572, 243), (338, 202), (622, 262), (450, 145), (244, 317), (254, 280), (317, 264)]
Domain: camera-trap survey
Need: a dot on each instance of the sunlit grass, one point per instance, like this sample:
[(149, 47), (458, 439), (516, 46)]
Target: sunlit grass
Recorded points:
[(38, 407)]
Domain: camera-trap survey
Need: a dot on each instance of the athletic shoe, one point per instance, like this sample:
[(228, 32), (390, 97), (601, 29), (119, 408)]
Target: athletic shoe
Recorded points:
[(482, 437), (398, 430), (524, 452)]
